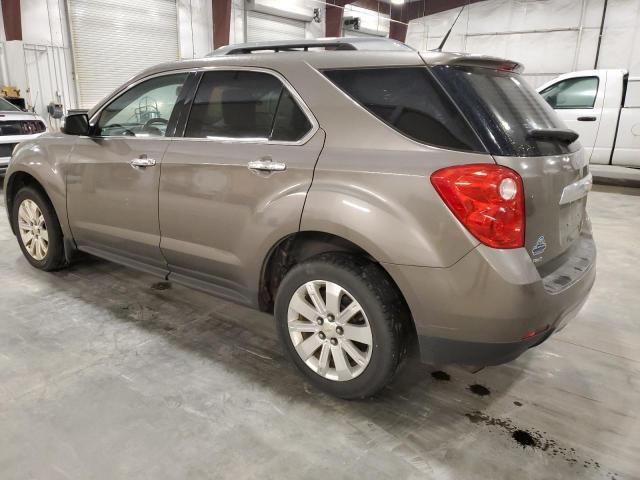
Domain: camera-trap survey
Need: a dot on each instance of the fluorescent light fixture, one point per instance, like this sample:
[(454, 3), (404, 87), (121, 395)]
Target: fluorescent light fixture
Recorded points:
[(397, 2)]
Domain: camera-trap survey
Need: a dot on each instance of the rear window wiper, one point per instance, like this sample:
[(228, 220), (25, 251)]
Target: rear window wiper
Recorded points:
[(563, 135)]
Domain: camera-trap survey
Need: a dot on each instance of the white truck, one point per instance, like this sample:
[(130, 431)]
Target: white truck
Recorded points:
[(603, 106)]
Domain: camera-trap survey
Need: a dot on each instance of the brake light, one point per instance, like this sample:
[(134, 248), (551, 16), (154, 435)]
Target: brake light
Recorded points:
[(508, 67), (487, 199), (28, 127)]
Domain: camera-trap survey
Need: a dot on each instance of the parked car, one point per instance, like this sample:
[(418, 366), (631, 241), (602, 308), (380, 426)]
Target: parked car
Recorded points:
[(603, 106), (16, 126), (367, 198)]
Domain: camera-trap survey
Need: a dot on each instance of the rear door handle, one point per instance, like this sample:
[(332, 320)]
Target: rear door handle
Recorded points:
[(142, 161), (587, 119), (266, 164)]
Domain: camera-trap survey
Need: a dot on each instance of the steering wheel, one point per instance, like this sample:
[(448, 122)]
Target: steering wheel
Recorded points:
[(151, 121)]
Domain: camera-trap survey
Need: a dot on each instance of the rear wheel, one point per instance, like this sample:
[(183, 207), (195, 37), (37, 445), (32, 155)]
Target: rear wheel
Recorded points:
[(38, 230), (343, 324)]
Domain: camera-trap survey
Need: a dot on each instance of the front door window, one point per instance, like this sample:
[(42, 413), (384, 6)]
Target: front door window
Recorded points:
[(143, 110)]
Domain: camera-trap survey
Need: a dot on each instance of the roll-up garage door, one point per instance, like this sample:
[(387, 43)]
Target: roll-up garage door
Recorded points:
[(115, 39), (263, 27)]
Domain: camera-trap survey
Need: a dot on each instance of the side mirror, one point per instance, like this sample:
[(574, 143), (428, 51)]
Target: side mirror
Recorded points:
[(76, 124)]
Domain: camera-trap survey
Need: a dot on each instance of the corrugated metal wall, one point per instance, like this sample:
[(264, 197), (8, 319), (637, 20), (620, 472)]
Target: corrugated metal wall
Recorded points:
[(114, 40), (549, 36)]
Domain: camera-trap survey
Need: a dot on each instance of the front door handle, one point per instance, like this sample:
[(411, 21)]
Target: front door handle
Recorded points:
[(266, 164), (587, 119), (142, 161)]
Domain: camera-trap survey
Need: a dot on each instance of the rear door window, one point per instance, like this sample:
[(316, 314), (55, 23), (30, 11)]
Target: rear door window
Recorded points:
[(245, 105), (572, 93), (409, 100), (504, 110)]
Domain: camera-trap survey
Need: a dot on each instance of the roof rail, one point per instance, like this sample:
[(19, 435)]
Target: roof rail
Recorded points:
[(339, 43)]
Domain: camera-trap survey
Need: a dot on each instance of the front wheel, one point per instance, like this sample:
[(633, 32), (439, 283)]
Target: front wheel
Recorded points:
[(343, 323), (38, 230)]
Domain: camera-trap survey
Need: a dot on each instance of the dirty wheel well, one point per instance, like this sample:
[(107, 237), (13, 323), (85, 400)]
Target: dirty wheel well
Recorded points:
[(297, 248), (15, 183)]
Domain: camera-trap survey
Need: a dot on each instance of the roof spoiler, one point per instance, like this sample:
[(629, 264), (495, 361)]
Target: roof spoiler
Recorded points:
[(340, 43), (471, 60)]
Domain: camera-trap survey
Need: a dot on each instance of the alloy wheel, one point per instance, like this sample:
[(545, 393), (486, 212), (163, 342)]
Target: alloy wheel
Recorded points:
[(329, 330), (33, 229)]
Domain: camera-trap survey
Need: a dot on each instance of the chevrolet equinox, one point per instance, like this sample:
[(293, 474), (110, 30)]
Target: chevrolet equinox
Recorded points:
[(367, 194)]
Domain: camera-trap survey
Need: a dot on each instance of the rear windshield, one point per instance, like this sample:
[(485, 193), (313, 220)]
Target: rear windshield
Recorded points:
[(503, 109)]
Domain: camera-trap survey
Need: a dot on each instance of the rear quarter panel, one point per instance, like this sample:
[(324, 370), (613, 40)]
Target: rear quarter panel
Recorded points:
[(382, 200), (372, 184)]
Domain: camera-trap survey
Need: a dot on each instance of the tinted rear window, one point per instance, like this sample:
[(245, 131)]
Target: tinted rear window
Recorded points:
[(410, 101), (503, 109)]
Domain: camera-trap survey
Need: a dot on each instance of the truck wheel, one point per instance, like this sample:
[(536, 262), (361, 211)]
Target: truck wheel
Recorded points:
[(38, 230), (343, 323)]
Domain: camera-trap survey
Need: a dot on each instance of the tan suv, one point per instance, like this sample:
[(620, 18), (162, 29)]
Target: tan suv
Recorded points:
[(365, 193)]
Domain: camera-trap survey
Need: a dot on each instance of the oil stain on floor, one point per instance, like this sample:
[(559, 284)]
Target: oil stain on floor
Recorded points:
[(531, 438)]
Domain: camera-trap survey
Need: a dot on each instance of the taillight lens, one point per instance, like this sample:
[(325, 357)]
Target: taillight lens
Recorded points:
[(30, 127), (487, 199)]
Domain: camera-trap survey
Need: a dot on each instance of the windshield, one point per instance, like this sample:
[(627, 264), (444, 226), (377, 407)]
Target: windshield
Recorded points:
[(7, 106), (503, 110)]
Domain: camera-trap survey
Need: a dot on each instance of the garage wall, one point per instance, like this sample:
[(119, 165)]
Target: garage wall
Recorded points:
[(195, 28), (549, 36), (287, 10), (371, 22), (111, 44), (42, 67)]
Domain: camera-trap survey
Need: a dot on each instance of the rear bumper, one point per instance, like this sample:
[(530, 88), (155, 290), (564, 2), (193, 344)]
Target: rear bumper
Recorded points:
[(492, 305), (442, 351)]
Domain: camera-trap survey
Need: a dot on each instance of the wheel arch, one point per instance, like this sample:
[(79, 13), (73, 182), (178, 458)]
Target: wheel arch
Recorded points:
[(14, 183), (20, 178), (300, 246)]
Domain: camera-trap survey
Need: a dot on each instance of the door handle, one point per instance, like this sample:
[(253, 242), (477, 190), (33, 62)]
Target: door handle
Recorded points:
[(142, 161), (266, 164), (587, 119)]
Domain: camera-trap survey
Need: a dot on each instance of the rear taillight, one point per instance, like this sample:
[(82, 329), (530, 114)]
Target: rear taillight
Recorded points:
[(30, 127), (487, 199)]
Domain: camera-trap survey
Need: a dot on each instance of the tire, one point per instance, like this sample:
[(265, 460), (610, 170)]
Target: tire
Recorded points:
[(382, 310), (53, 258)]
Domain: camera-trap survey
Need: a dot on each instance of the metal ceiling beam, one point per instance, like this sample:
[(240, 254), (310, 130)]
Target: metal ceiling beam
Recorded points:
[(221, 11), (12, 19)]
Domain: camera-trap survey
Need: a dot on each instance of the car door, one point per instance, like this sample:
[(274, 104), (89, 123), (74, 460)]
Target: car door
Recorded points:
[(113, 174), (236, 182), (578, 102)]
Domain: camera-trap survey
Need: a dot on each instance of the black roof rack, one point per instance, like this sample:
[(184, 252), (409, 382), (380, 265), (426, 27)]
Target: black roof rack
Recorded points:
[(341, 43)]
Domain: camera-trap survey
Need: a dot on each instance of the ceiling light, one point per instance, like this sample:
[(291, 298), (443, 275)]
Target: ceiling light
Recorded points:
[(397, 2)]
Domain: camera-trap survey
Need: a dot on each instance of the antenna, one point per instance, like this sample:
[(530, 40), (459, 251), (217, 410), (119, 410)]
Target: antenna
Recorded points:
[(446, 37)]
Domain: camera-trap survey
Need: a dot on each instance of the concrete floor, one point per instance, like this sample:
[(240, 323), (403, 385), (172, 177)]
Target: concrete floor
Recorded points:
[(107, 374)]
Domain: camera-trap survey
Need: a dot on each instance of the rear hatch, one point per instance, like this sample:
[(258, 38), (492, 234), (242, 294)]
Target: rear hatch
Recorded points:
[(523, 133)]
